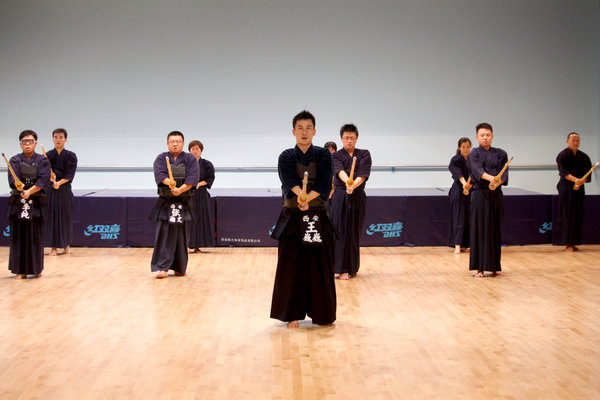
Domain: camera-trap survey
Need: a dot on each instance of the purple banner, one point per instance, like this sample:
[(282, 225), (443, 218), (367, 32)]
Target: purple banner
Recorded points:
[(527, 220), (100, 222), (384, 221), (392, 220), (247, 221), (140, 230)]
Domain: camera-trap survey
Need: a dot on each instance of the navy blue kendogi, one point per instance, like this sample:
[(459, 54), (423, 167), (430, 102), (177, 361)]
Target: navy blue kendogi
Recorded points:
[(487, 209), (304, 280), (59, 227), (459, 203), (27, 217), (172, 214), (348, 210)]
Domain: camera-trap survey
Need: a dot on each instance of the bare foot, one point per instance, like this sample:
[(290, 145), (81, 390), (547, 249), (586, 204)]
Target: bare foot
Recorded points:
[(457, 249), (161, 274), (344, 277), (478, 275), (179, 273), (570, 249), (293, 324), (39, 275), (19, 276), (53, 252), (575, 248), (67, 250)]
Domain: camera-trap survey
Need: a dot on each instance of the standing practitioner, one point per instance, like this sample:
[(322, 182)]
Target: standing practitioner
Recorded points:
[(460, 198), (29, 175), (572, 166), (349, 201), (304, 283), (59, 228), (487, 202), (202, 234), (176, 180)]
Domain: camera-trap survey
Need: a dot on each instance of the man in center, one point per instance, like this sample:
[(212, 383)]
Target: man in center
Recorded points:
[(349, 201), (304, 280), (175, 180)]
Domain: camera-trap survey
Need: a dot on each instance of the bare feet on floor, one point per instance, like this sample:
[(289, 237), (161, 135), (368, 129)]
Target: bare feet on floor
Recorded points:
[(344, 277), (179, 273), (457, 249), (571, 249), (67, 250), (478, 275), (161, 274), (53, 252), (293, 324), (196, 250), (19, 276)]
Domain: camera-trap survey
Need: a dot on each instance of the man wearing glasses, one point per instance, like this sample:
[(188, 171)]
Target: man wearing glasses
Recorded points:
[(348, 205), (27, 209), (176, 180)]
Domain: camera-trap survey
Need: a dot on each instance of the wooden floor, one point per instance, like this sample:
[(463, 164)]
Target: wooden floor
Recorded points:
[(413, 325)]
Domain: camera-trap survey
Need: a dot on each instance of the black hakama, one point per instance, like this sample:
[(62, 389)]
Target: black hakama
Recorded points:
[(348, 210), (569, 218), (202, 233), (304, 280), (487, 209), (171, 239), (26, 240), (26, 256), (170, 251), (459, 203), (59, 227)]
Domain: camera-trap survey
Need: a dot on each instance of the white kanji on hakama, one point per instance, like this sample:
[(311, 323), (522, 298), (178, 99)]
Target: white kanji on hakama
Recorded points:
[(311, 228), (176, 214), (25, 213)]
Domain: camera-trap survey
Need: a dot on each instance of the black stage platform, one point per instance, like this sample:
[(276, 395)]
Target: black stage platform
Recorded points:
[(245, 217)]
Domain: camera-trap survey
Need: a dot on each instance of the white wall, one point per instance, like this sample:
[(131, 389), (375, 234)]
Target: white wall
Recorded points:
[(414, 75)]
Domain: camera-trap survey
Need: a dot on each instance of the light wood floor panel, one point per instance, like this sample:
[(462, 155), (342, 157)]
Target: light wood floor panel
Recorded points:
[(413, 325)]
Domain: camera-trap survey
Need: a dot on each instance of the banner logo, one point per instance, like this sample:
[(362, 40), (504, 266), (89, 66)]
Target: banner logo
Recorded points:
[(546, 227), (106, 232), (388, 230)]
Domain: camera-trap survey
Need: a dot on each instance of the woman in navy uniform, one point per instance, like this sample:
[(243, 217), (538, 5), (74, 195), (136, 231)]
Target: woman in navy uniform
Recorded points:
[(460, 197)]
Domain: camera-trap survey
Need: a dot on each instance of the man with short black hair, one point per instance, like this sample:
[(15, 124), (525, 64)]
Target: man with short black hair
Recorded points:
[(331, 146), (487, 202), (171, 211), (59, 226), (572, 164), (304, 283), (348, 205), (27, 208)]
